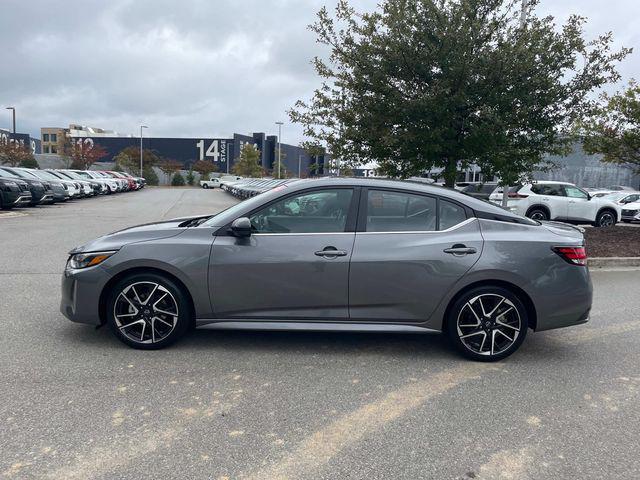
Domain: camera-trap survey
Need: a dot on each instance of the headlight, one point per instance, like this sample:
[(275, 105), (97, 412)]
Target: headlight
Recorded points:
[(8, 184), (84, 260)]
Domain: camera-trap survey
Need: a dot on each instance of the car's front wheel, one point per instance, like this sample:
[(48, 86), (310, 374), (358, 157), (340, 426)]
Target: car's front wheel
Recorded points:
[(487, 323), (148, 311)]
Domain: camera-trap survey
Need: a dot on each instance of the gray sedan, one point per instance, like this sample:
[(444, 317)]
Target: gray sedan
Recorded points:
[(337, 254)]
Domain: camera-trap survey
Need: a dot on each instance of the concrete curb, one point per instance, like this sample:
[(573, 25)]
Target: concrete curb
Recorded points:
[(613, 262)]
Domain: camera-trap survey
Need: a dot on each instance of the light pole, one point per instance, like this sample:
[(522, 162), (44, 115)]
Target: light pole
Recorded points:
[(13, 109), (523, 22), (141, 127), (279, 145)]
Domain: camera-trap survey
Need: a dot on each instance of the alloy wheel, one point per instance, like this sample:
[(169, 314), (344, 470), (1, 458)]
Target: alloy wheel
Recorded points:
[(145, 312), (606, 220), (488, 324), (538, 215)]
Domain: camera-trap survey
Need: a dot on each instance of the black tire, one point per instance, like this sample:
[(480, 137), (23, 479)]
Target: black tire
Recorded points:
[(143, 283), (513, 320), (538, 213), (205, 186), (606, 218)]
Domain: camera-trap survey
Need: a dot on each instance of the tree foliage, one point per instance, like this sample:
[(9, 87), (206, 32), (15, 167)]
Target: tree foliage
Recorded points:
[(191, 178), (614, 129), (425, 84), (177, 180), (169, 166), (248, 163), (129, 159), (79, 154), (150, 175), (14, 154), (204, 168)]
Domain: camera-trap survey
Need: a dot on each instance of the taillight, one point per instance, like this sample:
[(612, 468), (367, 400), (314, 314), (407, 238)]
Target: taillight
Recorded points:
[(516, 195), (573, 255)]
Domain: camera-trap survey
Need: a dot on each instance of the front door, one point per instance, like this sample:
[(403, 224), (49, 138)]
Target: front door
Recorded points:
[(409, 252), (295, 264)]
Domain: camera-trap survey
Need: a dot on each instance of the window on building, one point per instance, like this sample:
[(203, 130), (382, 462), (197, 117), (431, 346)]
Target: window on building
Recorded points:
[(54, 149), (54, 137), (45, 148), (45, 137)]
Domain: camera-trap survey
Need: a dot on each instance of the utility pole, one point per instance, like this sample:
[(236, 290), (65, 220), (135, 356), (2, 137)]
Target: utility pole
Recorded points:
[(299, 164), (523, 22), (13, 109), (279, 145), (141, 127)]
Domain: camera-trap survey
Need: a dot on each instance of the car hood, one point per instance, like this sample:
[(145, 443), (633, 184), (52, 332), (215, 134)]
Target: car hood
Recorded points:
[(631, 206), (140, 233)]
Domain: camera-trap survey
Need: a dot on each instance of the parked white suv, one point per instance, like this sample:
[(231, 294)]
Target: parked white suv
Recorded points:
[(562, 201)]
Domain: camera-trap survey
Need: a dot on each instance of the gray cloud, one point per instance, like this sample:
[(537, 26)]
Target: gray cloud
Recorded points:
[(191, 68)]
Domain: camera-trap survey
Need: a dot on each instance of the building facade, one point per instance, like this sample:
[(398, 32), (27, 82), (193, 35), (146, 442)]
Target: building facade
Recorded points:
[(221, 152), (23, 139)]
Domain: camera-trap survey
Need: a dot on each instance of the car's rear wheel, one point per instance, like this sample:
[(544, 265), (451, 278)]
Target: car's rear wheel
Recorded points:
[(205, 186), (487, 323), (537, 213), (606, 218), (148, 311)]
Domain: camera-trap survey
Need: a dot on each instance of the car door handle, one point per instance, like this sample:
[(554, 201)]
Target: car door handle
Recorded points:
[(459, 249), (330, 252)]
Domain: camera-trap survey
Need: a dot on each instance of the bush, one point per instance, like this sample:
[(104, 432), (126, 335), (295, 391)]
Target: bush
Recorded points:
[(177, 180), (191, 178), (150, 176), (29, 163)]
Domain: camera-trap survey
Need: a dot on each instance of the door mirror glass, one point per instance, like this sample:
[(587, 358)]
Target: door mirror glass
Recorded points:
[(241, 227)]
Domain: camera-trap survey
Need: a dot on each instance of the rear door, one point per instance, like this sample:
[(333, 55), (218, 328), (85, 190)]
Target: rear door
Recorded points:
[(409, 251), (552, 195)]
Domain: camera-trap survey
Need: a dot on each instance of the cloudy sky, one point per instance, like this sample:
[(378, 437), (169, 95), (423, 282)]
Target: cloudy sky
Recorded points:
[(190, 68)]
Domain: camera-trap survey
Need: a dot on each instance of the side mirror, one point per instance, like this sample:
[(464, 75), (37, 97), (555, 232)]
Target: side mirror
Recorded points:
[(241, 227)]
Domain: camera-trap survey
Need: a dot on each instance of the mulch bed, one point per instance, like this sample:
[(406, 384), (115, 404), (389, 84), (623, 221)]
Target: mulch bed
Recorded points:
[(613, 242)]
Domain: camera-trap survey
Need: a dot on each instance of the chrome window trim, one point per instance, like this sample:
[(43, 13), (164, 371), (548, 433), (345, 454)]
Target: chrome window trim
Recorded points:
[(300, 233), (455, 227)]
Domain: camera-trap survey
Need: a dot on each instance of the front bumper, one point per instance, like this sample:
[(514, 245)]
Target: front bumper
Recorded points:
[(80, 294), (630, 215)]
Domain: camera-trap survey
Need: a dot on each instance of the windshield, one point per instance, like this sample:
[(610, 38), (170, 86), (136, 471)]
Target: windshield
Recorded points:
[(44, 175)]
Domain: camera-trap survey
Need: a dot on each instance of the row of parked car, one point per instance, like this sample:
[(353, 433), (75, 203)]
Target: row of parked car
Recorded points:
[(250, 187), (28, 187)]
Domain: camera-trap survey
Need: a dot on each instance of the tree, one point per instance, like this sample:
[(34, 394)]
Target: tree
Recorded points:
[(150, 175), (13, 154), (614, 128), (78, 153), (279, 172), (204, 168), (169, 167), (30, 162), (439, 84), (248, 164), (129, 159), (177, 180), (191, 178)]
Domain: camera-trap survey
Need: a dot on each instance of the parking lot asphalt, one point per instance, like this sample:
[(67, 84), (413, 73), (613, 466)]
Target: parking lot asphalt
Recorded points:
[(77, 404)]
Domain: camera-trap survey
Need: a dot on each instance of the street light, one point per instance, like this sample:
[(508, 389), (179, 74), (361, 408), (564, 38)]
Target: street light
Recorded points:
[(141, 127), (14, 118), (279, 146)]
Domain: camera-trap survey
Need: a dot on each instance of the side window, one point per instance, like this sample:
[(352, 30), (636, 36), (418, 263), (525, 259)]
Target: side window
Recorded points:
[(400, 212), (547, 189), (450, 214), (321, 211), (575, 192)]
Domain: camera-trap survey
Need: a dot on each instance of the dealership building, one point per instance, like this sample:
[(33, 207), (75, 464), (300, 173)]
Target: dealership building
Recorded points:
[(222, 152)]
